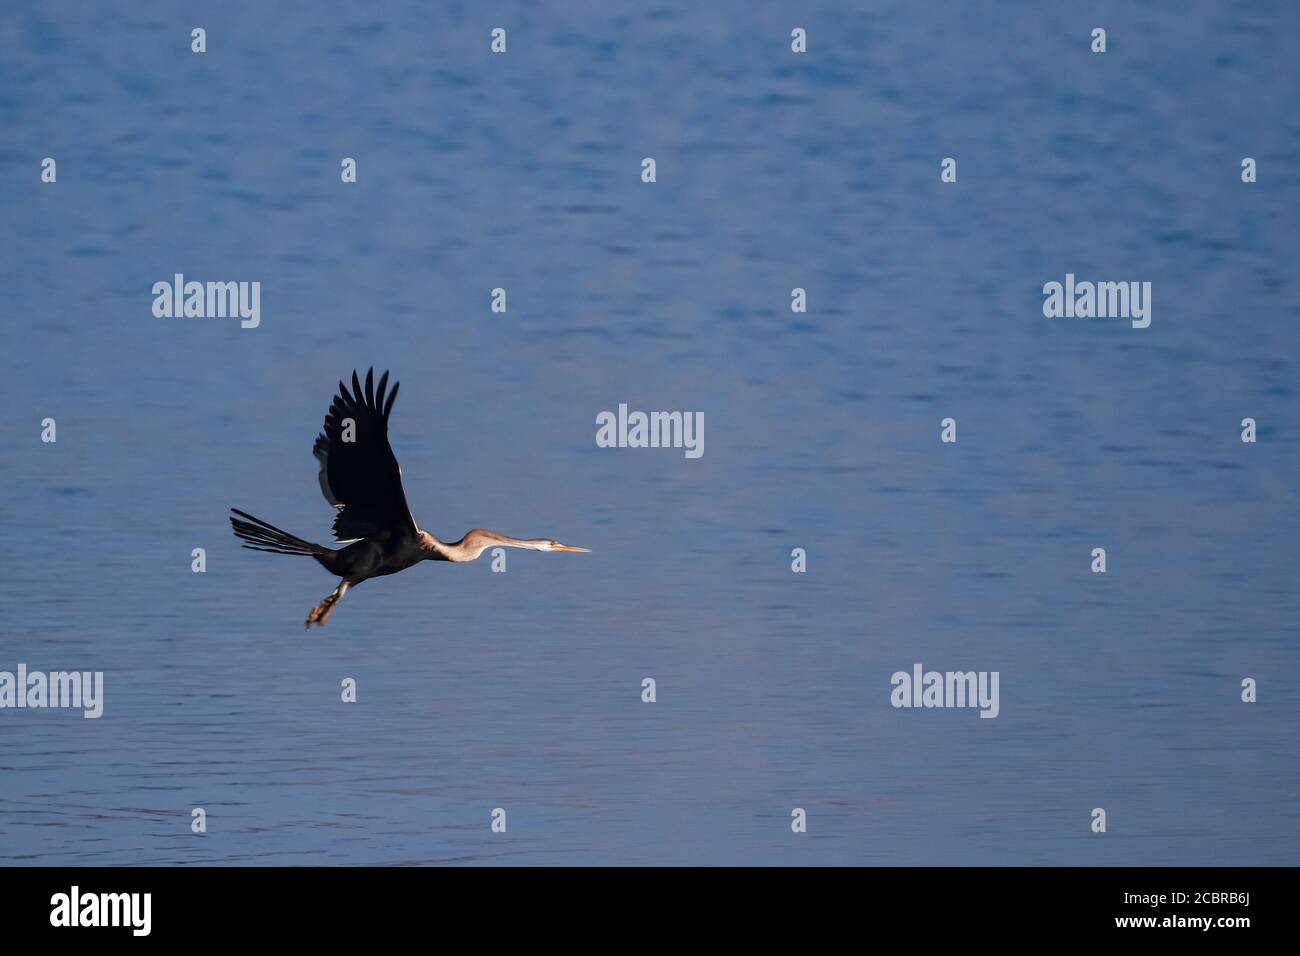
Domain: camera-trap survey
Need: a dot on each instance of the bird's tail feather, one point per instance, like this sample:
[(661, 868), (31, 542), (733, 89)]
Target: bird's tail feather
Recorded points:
[(257, 535)]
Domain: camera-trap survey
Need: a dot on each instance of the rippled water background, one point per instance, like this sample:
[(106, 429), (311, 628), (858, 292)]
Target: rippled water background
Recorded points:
[(521, 690)]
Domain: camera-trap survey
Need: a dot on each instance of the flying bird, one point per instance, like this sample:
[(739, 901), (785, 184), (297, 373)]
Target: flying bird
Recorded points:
[(360, 477)]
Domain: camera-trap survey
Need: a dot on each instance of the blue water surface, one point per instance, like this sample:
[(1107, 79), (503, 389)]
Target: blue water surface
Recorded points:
[(522, 690)]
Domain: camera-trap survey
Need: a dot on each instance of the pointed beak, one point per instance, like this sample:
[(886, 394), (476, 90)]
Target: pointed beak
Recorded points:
[(568, 547)]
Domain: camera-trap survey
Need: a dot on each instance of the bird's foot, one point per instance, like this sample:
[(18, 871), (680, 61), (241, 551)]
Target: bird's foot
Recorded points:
[(320, 614)]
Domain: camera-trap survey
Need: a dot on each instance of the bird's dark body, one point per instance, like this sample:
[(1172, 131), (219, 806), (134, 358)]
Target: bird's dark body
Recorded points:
[(386, 553), (360, 477)]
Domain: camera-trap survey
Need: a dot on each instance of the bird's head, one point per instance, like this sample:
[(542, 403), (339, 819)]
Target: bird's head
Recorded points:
[(556, 546)]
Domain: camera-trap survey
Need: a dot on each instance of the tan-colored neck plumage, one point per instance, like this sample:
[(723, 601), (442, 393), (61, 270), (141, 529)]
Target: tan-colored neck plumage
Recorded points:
[(476, 542)]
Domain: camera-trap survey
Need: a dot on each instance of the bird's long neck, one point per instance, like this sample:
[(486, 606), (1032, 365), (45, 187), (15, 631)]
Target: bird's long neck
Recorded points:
[(475, 543)]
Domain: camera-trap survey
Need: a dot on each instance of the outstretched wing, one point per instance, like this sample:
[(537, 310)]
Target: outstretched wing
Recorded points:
[(359, 474)]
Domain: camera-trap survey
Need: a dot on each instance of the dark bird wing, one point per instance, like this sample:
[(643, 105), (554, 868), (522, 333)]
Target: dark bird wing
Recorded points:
[(359, 474)]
